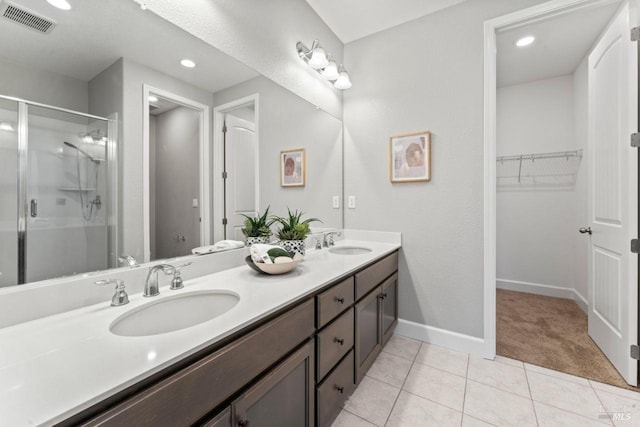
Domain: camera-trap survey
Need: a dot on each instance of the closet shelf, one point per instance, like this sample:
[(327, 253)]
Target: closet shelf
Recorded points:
[(557, 168)]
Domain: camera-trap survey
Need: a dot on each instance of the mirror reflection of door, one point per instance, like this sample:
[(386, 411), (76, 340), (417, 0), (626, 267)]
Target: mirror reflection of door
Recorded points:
[(241, 164), (174, 138)]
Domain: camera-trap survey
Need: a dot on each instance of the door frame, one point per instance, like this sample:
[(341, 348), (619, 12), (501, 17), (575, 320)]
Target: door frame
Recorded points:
[(203, 163), (218, 120), (491, 28)]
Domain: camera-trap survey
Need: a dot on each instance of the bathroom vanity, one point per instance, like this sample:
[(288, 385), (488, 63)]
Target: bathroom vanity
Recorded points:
[(290, 352)]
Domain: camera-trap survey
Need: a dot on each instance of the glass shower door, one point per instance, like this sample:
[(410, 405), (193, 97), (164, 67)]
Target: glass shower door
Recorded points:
[(65, 203), (8, 192)]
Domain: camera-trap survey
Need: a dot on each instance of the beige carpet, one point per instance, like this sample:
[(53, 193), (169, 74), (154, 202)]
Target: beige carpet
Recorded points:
[(552, 333)]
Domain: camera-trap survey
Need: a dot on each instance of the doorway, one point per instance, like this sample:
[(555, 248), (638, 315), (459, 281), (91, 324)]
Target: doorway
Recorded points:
[(550, 173), (176, 175), (237, 166)]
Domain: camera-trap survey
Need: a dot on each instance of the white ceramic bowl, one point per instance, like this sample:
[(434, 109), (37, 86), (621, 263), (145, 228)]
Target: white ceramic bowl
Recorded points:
[(278, 268)]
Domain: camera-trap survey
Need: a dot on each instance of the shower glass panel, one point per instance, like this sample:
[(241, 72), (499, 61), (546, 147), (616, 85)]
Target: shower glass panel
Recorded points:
[(8, 192), (66, 194)]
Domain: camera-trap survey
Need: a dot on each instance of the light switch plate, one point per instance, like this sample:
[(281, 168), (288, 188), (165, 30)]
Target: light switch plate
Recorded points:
[(195, 203), (352, 202), (336, 202)]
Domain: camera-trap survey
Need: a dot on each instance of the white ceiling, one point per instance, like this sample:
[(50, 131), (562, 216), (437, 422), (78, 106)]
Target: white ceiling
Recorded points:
[(94, 34), (353, 19), (561, 44)]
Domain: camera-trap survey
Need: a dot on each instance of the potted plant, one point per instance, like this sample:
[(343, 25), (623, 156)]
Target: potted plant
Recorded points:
[(293, 231), (257, 229)]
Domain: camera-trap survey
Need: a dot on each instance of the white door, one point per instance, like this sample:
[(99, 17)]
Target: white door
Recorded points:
[(613, 279), (241, 174)]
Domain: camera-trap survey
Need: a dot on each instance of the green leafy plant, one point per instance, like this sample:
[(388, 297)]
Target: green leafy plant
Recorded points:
[(293, 227), (258, 226)]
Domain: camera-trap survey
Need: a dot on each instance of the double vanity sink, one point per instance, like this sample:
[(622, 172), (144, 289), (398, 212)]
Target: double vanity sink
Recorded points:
[(55, 367)]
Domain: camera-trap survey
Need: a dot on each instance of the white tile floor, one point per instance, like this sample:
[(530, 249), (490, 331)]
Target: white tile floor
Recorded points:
[(419, 384)]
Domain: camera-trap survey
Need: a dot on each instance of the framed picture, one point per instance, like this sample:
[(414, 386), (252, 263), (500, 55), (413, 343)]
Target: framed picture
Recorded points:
[(410, 157), (293, 168)]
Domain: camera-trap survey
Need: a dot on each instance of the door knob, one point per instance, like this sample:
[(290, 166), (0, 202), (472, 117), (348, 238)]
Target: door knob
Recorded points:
[(584, 230)]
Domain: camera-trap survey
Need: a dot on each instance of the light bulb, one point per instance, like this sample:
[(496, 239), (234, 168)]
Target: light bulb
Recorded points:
[(187, 63), (318, 58), (330, 72), (343, 82), (152, 98)]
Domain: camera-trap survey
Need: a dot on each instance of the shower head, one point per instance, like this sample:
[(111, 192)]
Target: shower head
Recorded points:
[(75, 147)]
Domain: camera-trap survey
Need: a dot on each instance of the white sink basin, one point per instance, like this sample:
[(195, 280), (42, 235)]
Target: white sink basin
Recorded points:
[(174, 313), (349, 250)]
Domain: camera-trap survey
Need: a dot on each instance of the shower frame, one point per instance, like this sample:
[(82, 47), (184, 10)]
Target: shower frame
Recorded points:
[(23, 164)]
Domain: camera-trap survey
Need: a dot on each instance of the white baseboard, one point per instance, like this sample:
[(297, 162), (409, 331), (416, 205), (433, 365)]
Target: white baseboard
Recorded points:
[(453, 340), (546, 290)]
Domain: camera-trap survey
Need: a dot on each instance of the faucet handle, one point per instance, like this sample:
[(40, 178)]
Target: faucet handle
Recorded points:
[(177, 282), (120, 297)]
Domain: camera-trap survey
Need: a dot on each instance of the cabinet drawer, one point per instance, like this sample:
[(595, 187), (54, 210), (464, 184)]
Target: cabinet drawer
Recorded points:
[(333, 343), (334, 391), (334, 301), (188, 395), (371, 276)]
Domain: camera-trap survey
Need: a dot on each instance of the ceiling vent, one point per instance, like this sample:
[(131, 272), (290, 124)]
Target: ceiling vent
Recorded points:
[(26, 18)]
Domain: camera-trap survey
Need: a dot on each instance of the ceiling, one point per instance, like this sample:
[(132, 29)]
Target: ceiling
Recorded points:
[(353, 19), (94, 34), (561, 44)]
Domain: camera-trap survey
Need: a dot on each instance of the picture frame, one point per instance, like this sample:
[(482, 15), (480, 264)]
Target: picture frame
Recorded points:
[(410, 157), (293, 167)]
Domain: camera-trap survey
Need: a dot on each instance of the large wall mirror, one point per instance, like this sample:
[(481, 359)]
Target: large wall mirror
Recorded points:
[(110, 146)]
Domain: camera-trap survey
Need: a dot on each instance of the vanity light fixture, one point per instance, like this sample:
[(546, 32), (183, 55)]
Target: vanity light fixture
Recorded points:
[(322, 62), (60, 4), (187, 63), (525, 41)]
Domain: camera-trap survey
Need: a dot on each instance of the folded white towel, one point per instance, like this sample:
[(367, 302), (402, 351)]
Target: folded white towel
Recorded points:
[(222, 245), (259, 252)]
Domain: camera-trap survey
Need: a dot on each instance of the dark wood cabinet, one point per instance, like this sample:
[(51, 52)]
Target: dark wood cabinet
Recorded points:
[(389, 307), (296, 368), (368, 337), (223, 419), (284, 397)]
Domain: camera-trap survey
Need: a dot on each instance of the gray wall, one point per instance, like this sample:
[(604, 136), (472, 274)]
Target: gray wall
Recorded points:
[(43, 86), (425, 75), (286, 122), (177, 182), (263, 35)]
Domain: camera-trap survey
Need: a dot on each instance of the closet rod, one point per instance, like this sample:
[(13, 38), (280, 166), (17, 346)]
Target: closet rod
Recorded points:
[(554, 155)]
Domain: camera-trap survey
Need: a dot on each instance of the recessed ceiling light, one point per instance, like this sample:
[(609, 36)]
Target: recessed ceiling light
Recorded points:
[(188, 63), (525, 41), (60, 4), (153, 98)]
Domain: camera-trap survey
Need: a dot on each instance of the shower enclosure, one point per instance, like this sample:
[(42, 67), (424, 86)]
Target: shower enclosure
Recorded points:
[(57, 204)]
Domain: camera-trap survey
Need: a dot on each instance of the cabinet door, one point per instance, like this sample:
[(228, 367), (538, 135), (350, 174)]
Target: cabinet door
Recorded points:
[(283, 398), (368, 332), (389, 307), (223, 419)]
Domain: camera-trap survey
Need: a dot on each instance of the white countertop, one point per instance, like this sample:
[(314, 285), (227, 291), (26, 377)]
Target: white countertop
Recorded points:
[(54, 367)]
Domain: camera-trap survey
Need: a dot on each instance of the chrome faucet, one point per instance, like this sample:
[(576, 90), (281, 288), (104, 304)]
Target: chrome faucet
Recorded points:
[(128, 260), (151, 287), (327, 241), (120, 297)]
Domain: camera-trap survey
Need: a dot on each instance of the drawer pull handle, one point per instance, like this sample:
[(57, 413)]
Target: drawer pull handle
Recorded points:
[(340, 300), (243, 423), (340, 389), (382, 296), (339, 340)]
